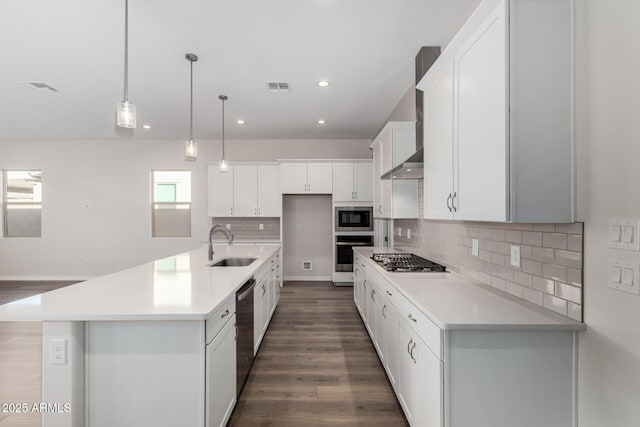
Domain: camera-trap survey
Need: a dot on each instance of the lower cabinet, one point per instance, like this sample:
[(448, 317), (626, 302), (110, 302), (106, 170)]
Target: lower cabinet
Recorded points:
[(266, 295), (467, 377), (220, 368)]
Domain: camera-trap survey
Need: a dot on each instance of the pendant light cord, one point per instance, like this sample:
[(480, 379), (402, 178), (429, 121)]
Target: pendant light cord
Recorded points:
[(126, 50), (191, 106), (223, 128)]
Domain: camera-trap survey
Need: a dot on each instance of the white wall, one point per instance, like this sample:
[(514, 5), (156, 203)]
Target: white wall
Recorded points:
[(96, 215), (307, 236), (608, 99)]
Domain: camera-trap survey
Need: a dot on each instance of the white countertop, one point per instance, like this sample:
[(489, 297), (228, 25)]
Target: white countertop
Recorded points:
[(179, 287), (453, 301)]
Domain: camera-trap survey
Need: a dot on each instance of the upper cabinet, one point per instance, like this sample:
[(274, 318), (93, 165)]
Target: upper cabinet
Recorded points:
[(307, 178), (246, 190), (499, 116), (394, 198), (353, 182)]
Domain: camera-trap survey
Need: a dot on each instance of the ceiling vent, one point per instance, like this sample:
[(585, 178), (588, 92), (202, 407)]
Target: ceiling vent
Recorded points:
[(278, 87), (41, 87)]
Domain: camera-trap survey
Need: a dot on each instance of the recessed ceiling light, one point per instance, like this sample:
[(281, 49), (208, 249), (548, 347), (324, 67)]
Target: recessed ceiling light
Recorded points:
[(240, 121), (322, 122), (323, 83), (146, 126)]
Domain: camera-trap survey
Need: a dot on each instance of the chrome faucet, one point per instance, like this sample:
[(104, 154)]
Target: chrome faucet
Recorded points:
[(213, 229)]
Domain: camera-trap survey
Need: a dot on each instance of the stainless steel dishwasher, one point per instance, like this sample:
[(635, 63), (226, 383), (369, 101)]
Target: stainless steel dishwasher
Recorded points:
[(244, 342)]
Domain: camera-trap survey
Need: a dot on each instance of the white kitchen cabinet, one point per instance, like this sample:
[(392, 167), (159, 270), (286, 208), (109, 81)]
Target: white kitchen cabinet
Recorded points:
[(269, 193), (307, 178), (220, 370), (352, 182), (499, 104), (393, 145), (247, 190), (220, 192), (468, 377)]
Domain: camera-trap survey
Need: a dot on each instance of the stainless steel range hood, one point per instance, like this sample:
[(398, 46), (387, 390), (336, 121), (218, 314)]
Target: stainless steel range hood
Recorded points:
[(413, 168)]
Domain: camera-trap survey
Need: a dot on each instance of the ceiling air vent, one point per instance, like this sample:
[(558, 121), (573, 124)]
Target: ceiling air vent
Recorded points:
[(278, 87), (41, 87)]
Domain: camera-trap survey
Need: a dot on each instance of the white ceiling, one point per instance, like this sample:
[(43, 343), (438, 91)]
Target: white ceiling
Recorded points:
[(365, 48)]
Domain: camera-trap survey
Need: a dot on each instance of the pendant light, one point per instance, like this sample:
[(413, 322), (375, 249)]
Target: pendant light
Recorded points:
[(190, 146), (126, 111), (224, 167)]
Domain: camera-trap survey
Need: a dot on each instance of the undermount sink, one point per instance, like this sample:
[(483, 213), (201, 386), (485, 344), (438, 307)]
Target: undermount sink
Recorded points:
[(233, 262)]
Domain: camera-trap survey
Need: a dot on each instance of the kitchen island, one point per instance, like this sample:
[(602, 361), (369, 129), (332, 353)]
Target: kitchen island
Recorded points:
[(459, 353), (150, 345)]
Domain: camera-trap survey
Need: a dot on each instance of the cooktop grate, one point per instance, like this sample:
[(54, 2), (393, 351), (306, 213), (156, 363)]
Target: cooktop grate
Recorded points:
[(407, 263)]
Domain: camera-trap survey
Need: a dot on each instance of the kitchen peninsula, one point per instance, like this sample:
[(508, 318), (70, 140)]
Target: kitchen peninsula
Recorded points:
[(139, 347)]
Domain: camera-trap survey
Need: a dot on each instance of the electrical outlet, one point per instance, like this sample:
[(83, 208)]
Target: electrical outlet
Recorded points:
[(400, 231), (260, 226), (474, 247), (408, 233), (228, 226), (515, 256), (57, 352)]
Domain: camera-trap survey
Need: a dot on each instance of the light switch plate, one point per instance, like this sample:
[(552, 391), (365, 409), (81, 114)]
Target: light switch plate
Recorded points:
[(515, 256), (474, 247), (624, 233), (624, 276)]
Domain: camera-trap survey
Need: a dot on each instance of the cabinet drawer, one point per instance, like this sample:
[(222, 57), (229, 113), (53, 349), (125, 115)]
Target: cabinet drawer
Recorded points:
[(219, 317), (423, 327)]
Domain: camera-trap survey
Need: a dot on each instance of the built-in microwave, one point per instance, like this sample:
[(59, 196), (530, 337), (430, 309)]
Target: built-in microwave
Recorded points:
[(354, 218)]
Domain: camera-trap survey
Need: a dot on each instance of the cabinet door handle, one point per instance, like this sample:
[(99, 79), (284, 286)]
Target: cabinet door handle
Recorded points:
[(411, 353), (409, 345), (453, 201), (264, 290), (448, 202), (225, 314), (373, 291), (383, 307), (356, 193), (413, 319), (364, 283)]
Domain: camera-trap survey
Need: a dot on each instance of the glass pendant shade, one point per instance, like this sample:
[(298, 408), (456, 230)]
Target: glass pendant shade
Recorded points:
[(126, 115), (190, 150), (224, 166)]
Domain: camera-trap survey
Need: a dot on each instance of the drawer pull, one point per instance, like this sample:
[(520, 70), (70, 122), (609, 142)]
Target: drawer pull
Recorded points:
[(388, 293), (225, 314), (413, 319)]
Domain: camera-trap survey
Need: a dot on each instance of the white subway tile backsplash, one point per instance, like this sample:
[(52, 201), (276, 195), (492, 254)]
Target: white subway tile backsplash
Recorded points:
[(569, 259), (575, 228), (513, 236), (574, 242), (542, 254), (531, 267), (568, 292), (533, 238), (498, 283), (554, 272), (554, 240), (543, 285), (532, 295), (555, 304), (551, 257), (574, 277), (523, 279), (543, 227), (514, 289), (575, 311)]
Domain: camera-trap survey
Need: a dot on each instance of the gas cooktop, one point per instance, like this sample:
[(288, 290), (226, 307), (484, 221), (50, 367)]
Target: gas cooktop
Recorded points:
[(407, 263)]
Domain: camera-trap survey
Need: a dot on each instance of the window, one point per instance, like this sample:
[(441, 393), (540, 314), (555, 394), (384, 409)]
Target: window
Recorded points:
[(22, 207), (171, 204)]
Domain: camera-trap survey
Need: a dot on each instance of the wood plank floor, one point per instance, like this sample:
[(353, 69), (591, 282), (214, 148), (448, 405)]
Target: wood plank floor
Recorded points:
[(21, 355), (317, 366)]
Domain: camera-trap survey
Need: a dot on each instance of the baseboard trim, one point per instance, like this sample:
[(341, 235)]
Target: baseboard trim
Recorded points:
[(46, 278), (308, 278)]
